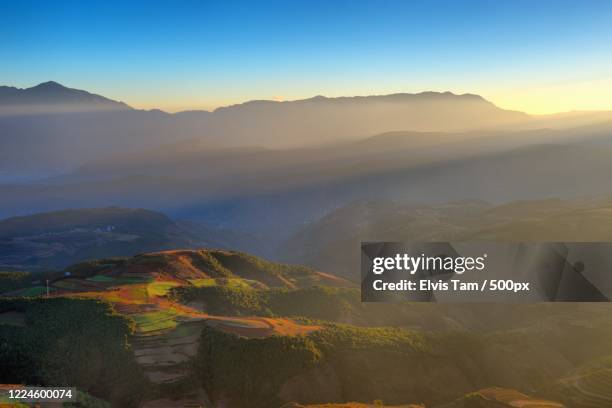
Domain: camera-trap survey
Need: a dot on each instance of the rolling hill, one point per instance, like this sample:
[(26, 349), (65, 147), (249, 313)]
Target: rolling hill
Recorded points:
[(333, 243), (58, 239), (218, 348), (163, 333)]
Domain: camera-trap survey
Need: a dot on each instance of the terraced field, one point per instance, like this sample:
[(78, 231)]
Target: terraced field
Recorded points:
[(589, 386), (173, 299), (167, 333), (495, 397)]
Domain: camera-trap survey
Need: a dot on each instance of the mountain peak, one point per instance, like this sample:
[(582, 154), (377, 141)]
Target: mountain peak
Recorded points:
[(49, 85), (53, 97)]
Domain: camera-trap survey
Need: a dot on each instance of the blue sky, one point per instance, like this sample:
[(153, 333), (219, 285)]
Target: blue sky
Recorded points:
[(538, 56)]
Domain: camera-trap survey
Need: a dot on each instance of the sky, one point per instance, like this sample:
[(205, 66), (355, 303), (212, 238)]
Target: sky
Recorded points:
[(535, 56)]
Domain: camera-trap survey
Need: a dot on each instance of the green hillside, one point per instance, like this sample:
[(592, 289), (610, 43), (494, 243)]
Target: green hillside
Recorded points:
[(70, 342)]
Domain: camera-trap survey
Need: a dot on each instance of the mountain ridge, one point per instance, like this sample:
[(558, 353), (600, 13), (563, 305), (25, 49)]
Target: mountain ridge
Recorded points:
[(48, 86), (355, 98), (9, 90), (59, 129), (53, 97)]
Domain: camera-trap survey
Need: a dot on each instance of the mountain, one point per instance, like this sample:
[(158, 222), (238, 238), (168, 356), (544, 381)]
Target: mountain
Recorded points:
[(51, 97), (126, 158), (325, 120), (57, 239), (50, 129)]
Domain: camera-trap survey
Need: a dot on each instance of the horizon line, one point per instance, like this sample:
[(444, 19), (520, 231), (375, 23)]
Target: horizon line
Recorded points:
[(303, 99)]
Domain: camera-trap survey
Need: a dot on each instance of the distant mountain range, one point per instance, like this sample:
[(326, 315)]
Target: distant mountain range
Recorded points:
[(274, 168), (50, 129)]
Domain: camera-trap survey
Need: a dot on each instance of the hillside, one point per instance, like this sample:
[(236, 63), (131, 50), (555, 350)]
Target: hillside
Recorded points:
[(589, 385), (333, 243), (194, 314), (48, 341), (401, 366), (207, 265), (165, 333), (57, 239), (496, 397)]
